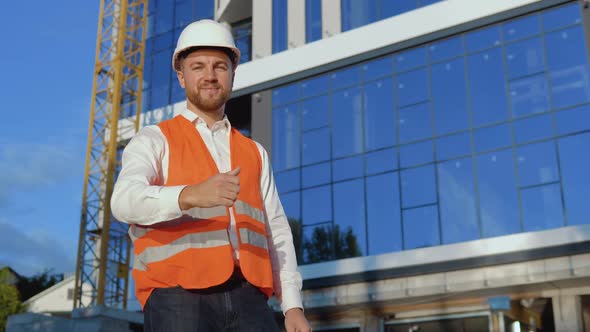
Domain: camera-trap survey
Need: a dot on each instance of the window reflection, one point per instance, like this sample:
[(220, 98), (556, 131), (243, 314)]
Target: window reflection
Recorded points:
[(415, 123), (416, 154), (525, 58), (575, 177), (533, 128), (316, 175), (383, 214), (529, 95), (347, 130), (381, 161), (349, 215), (497, 194), (418, 186), (313, 20), (421, 227), (379, 114), (487, 87), (458, 212), (537, 163), (286, 137), (279, 25), (541, 208), (317, 205), (449, 96), (347, 168), (315, 146), (315, 112)]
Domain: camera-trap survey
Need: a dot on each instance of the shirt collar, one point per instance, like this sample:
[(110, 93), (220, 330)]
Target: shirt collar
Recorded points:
[(194, 118)]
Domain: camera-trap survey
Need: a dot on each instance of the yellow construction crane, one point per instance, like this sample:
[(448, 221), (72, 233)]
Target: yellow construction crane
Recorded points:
[(104, 248)]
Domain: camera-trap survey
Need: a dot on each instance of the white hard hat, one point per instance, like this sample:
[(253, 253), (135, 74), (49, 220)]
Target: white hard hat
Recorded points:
[(205, 33)]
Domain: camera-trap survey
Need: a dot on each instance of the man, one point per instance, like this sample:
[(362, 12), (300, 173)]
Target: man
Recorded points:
[(211, 240)]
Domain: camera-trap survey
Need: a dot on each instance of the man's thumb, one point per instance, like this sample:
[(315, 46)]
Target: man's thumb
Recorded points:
[(234, 172)]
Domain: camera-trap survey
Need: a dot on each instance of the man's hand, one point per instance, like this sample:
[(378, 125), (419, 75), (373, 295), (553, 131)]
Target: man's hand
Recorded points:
[(219, 190), (295, 321)]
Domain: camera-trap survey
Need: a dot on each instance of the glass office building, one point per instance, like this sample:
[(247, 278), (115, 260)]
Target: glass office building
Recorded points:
[(432, 156)]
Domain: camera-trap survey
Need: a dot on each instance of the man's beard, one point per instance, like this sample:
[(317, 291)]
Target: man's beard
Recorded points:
[(208, 103)]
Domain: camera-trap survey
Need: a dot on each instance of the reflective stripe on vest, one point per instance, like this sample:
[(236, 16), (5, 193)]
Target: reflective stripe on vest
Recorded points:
[(248, 236), (247, 209), (193, 214), (190, 241)]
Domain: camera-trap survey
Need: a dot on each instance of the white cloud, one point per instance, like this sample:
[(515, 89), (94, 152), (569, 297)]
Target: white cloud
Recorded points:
[(27, 166), (32, 253)]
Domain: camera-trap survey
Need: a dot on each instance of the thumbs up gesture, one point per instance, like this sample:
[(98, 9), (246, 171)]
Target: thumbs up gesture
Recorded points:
[(219, 190)]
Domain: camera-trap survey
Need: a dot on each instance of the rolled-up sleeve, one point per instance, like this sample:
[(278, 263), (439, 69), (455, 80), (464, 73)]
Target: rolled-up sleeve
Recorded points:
[(287, 279), (139, 195)]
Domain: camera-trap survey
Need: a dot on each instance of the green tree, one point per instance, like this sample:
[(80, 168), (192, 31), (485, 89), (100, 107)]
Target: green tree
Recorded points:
[(10, 303), (327, 243)]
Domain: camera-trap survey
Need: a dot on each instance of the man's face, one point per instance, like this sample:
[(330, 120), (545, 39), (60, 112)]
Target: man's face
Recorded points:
[(207, 77)]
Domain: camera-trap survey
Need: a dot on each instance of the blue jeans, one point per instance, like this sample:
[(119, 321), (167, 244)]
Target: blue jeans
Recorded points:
[(233, 306)]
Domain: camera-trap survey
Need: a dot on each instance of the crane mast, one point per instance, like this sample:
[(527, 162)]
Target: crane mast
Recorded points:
[(104, 248)]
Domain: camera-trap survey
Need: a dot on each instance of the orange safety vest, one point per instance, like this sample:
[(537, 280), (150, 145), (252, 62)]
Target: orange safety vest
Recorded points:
[(195, 252)]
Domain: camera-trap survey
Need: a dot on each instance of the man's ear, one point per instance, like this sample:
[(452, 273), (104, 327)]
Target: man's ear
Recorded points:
[(180, 77)]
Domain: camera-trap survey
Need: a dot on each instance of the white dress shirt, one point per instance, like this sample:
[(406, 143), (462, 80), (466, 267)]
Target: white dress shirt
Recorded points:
[(140, 197)]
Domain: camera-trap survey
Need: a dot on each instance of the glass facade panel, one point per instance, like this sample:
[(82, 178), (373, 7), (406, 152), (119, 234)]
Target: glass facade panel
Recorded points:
[(533, 128), (347, 130), (379, 114), (446, 49), (279, 25), (357, 13), (412, 87), (288, 180), (529, 95), (573, 120), (449, 96), (487, 87), (562, 17), (483, 38), (415, 123), (345, 78), (286, 138), (315, 146), (537, 164), (416, 154), (411, 59), (317, 205), (418, 186), (313, 20), (316, 175), (347, 168), (473, 136), (453, 146), (421, 228), (491, 138), (318, 243), (377, 68), (575, 177), (315, 86), (525, 58), (458, 210), (315, 112), (383, 214), (381, 161), (522, 28), (349, 219), (497, 194), (541, 208)]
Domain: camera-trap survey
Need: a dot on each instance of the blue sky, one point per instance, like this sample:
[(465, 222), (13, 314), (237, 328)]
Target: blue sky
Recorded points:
[(46, 64)]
